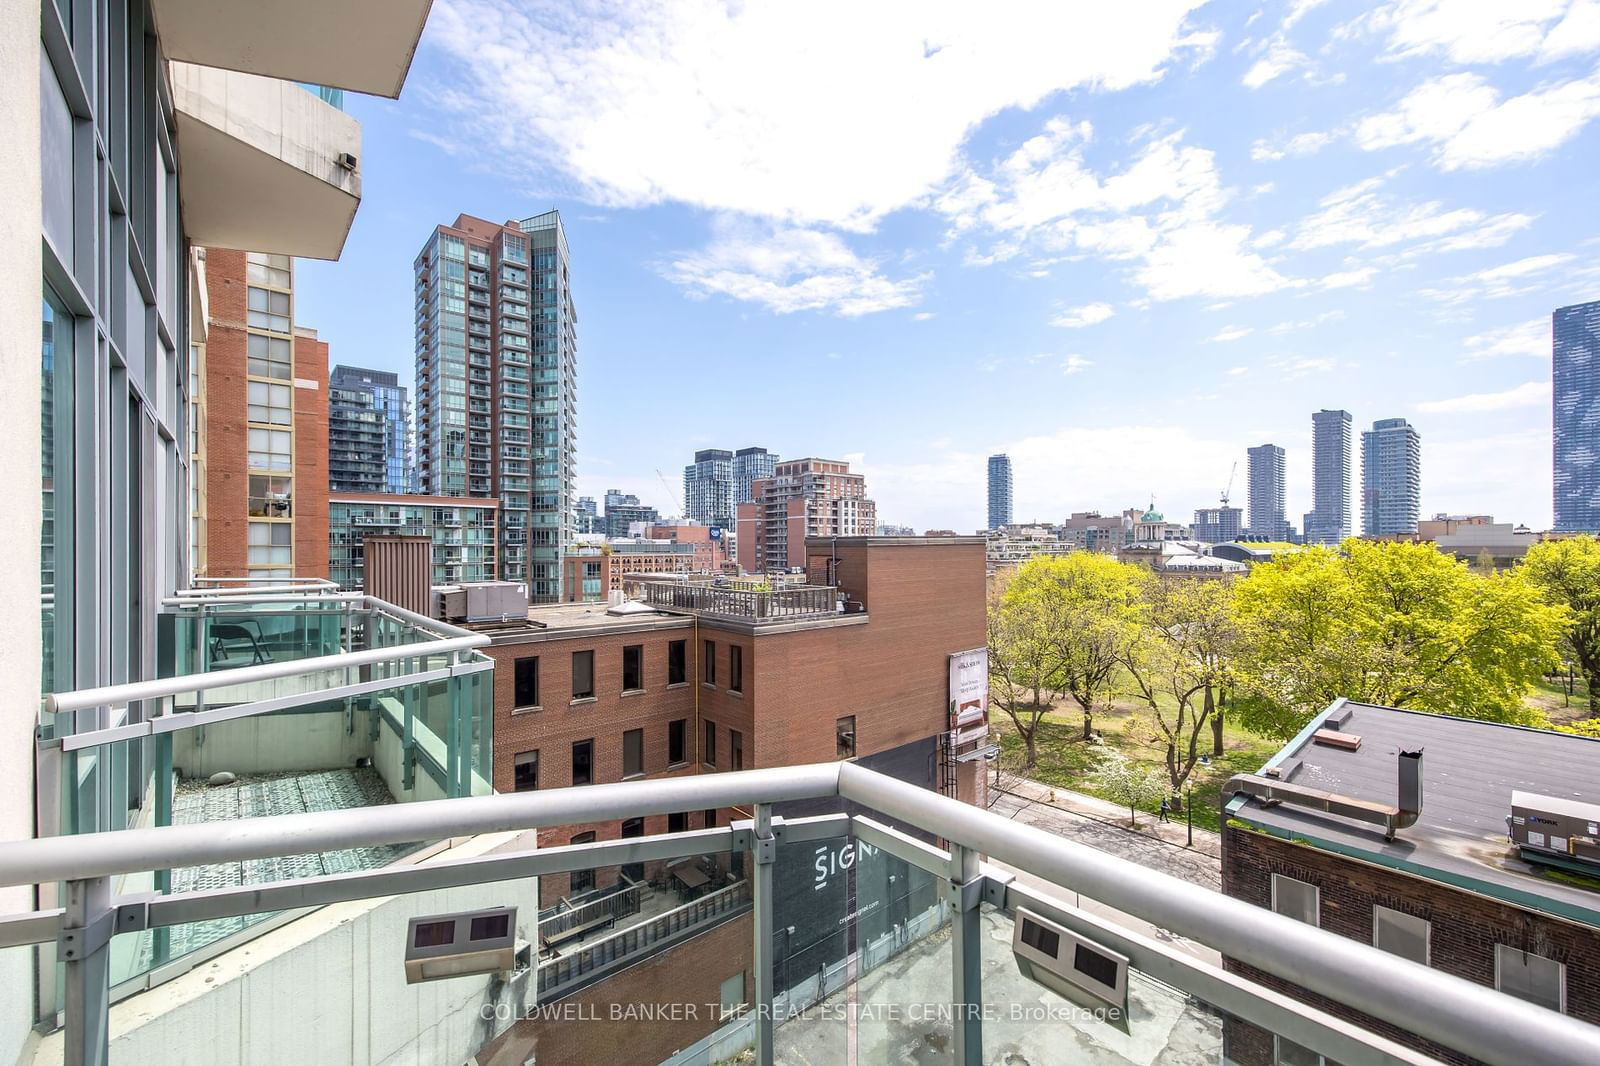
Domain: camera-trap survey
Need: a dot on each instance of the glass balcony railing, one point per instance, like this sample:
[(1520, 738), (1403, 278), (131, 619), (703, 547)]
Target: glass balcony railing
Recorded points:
[(270, 701), (880, 933)]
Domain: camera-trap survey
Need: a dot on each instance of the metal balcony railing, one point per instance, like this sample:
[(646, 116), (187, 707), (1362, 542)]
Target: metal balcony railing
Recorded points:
[(747, 604), (1026, 867)]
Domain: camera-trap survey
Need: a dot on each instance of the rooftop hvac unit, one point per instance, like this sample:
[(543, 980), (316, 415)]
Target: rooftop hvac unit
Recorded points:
[(1550, 828)]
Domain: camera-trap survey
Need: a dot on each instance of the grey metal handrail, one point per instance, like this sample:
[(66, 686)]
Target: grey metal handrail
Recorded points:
[(1448, 1010)]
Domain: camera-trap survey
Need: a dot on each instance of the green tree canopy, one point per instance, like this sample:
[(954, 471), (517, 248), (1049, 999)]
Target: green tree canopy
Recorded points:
[(1568, 573), (1401, 625), (1087, 606)]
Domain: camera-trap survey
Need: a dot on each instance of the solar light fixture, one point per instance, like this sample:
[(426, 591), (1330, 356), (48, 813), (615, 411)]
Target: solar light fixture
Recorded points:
[(1072, 966), (440, 946)]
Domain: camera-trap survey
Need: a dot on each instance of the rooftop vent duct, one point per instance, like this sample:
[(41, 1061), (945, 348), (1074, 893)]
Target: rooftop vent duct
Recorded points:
[(1392, 817)]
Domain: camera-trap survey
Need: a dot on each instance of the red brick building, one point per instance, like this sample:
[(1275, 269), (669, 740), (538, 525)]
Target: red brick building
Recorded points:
[(710, 552), (1450, 890), (804, 498), (700, 679), (266, 431)]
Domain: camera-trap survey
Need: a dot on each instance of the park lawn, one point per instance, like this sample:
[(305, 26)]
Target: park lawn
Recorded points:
[(1066, 761), (1550, 699)]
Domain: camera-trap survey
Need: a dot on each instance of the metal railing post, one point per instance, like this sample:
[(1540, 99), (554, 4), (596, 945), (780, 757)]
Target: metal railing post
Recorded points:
[(765, 849), (85, 949), (966, 955)]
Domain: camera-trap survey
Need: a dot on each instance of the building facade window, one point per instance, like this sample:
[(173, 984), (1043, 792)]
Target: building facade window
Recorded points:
[(735, 749), (270, 544), (583, 762), (1530, 977), (270, 449), (633, 753), (844, 737), (632, 667), (710, 818), (1401, 934), (677, 821), (735, 668), (1299, 900), (677, 741), (677, 670), (525, 771), (527, 682), (582, 675), (268, 402), (271, 496), (582, 880), (711, 663), (709, 756), (1286, 1052)]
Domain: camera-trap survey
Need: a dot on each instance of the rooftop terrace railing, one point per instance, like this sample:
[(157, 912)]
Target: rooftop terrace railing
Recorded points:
[(1473, 1020), (739, 602)]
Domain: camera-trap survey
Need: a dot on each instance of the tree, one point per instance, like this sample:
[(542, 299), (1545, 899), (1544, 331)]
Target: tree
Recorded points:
[(1019, 664), (1122, 781), (1087, 605), (1400, 625), (1178, 663), (1567, 572)]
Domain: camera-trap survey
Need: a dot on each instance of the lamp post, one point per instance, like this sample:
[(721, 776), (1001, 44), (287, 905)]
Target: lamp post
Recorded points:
[(1188, 805)]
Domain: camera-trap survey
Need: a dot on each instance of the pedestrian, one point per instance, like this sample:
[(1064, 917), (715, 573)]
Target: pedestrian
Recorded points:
[(1164, 808)]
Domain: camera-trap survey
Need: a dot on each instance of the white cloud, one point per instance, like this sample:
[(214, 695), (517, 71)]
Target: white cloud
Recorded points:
[(1530, 338), (1071, 469), (1533, 394), (1280, 59), (922, 316), (1233, 333), (1470, 127), (1301, 144), (1087, 315), (1358, 278), (1159, 214), (1075, 364), (632, 104), (1576, 34), (1483, 31), (1295, 367), (1309, 323), (789, 270), (1360, 214)]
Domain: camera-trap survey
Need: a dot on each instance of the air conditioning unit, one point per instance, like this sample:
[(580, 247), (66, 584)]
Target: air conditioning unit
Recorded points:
[(346, 160)]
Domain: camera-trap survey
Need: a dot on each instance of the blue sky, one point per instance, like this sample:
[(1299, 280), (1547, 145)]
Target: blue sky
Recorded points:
[(1122, 242)]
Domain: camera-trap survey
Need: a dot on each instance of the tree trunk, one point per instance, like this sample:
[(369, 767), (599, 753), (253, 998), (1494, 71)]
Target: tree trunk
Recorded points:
[(1088, 724), (1133, 821), (1214, 708), (1031, 740)]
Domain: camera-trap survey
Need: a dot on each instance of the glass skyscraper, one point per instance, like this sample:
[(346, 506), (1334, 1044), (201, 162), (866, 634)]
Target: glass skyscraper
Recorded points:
[(719, 480), (497, 383), (1391, 478), (1267, 498), (369, 439), (1576, 378), (1329, 521), (999, 491)]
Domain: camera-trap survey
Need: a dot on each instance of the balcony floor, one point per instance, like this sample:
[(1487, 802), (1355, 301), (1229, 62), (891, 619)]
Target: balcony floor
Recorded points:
[(256, 796)]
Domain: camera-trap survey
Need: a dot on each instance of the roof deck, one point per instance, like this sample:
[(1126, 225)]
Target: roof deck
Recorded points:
[(1470, 770)]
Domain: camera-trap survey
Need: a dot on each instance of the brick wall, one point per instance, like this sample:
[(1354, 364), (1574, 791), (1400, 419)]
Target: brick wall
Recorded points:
[(227, 483), (687, 980), (310, 456), (1465, 927)]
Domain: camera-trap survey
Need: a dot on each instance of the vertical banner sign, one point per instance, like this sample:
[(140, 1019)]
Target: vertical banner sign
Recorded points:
[(969, 695)]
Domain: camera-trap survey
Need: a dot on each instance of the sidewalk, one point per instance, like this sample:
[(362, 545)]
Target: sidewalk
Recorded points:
[(1173, 832)]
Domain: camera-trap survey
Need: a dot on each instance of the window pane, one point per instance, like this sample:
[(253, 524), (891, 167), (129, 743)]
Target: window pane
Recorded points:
[(632, 752), (711, 663), (844, 737), (709, 756), (676, 674), (583, 762), (582, 675), (735, 668), (525, 771), (1400, 934), (677, 734), (1296, 899), (1528, 976), (527, 682), (633, 667)]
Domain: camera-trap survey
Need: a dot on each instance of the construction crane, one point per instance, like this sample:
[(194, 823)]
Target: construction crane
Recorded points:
[(1229, 489), (672, 493)]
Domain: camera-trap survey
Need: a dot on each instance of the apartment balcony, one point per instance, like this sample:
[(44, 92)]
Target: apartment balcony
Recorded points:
[(270, 167), (273, 698), (886, 932), (364, 46)]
